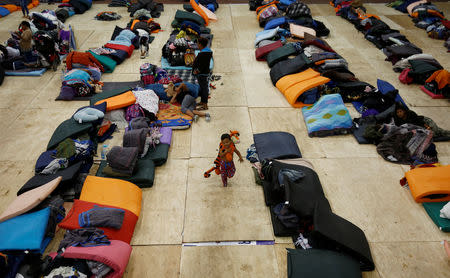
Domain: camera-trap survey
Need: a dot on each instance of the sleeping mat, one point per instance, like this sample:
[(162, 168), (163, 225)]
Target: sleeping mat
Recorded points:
[(125, 233), (181, 16), (25, 232), (116, 256), (336, 233), (328, 116), (68, 175), (276, 145), (108, 64), (112, 192), (143, 176), (289, 66), (433, 210), (158, 155), (430, 184), (319, 263), (67, 129), (261, 52), (29, 200), (295, 87), (280, 54)]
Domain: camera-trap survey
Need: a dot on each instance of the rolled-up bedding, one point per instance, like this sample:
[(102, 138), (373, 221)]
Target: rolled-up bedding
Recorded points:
[(289, 66), (261, 52)]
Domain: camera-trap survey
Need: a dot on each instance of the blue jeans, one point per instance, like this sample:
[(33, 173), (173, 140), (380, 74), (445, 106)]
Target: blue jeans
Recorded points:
[(23, 5)]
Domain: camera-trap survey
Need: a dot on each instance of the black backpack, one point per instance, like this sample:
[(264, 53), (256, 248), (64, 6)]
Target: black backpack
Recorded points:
[(297, 9)]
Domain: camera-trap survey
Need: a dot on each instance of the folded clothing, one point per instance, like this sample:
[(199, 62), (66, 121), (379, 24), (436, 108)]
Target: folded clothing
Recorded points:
[(122, 159), (84, 237), (102, 217), (135, 138)]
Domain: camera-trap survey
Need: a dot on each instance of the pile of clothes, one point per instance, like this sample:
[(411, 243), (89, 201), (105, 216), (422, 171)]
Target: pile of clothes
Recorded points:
[(179, 50), (407, 58), (108, 16), (426, 16), (298, 205), (51, 41), (143, 6)]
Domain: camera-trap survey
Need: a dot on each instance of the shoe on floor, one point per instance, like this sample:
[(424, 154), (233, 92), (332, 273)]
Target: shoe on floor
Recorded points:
[(208, 117), (195, 118)]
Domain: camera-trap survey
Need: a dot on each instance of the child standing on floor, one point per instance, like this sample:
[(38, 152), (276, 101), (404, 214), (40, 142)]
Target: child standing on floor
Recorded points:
[(200, 69), (227, 148)]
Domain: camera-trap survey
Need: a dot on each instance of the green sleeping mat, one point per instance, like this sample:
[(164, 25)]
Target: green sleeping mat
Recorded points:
[(319, 263), (67, 129), (143, 176), (181, 16), (159, 154), (433, 210), (280, 54), (108, 64)]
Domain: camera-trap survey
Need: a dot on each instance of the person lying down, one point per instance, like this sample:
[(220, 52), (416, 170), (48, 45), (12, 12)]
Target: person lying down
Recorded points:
[(186, 97)]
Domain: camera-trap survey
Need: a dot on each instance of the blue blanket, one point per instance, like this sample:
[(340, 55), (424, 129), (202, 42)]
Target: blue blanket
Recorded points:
[(29, 72), (328, 116)]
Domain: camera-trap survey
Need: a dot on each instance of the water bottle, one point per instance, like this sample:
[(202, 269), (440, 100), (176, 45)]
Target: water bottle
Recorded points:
[(104, 151)]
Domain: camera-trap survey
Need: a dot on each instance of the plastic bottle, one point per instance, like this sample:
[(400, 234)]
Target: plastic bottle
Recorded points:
[(104, 151)]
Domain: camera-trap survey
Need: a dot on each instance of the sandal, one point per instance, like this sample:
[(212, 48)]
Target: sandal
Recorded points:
[(202, 107)]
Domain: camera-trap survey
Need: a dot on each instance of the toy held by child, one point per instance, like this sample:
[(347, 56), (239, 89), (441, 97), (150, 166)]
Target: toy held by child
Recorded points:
[(234, 134)]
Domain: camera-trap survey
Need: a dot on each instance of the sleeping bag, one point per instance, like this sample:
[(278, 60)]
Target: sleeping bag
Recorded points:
[(25, 232), (115, 255), (429, 184), (336, 233), (328, 116), (289, 66), (276, 145), (319, 263)]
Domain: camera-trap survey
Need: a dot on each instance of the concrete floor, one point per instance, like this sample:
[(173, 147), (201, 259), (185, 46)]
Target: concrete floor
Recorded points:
[(184, 207)]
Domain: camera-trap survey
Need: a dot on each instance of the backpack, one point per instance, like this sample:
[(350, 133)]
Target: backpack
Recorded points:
[(147, 72), (134, 111), (189, 58), (298, 9)]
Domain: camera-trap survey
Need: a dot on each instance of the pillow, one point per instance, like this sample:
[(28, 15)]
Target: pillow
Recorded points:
[(67, 93), (70, 222), (88, 114)]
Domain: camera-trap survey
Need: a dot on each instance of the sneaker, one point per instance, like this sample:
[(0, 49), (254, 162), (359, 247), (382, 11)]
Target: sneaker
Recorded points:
[(142, 56), (195, 118), (208, 117)]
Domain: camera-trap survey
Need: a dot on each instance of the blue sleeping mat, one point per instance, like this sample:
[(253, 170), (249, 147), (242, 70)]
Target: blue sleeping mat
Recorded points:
[(166, 65), (328, 116), (25, 232), (276, 145), (4, 12), (33, 72)]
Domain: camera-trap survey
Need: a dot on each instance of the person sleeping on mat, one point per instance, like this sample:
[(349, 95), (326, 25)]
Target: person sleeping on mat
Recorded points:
[(402, 115)]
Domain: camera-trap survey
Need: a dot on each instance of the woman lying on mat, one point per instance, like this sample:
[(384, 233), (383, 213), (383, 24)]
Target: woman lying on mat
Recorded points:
[(403, 115), (183, 95)]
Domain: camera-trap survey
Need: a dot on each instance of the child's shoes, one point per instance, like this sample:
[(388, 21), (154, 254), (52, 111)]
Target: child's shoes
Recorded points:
[(208, 117), (195, 118)]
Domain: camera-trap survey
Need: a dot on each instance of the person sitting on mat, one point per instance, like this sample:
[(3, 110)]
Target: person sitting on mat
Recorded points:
[(26, 43), (200, 68), (226, 150), (403, 115), (188, 104)]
